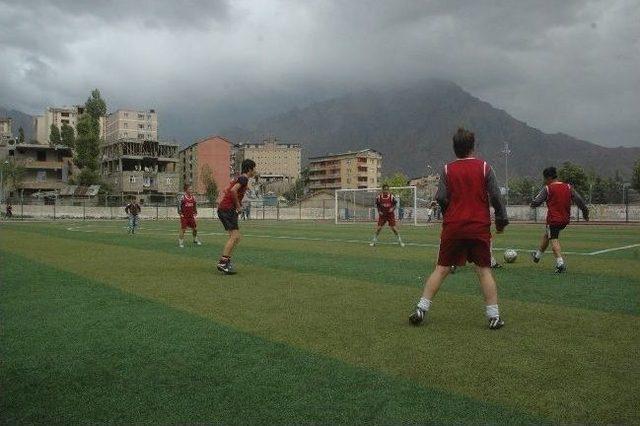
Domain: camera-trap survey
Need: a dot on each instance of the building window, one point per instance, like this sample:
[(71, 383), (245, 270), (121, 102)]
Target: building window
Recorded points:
[(126, 114), (41, 176), (132, 179), (140, 116), (125, 125), (148, 116), (149, 126), (168, 181), (41, 155), (140, 135), (140, 126)]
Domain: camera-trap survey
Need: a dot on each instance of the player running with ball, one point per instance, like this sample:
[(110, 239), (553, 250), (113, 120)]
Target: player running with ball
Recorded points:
[(558, 196), (386, 204), (188, 211), (466, 189)]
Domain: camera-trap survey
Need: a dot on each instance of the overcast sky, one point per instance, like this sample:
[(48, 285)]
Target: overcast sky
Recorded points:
[(562, 66)]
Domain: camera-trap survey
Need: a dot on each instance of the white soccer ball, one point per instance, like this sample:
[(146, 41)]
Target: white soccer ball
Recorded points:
[(510, 255)]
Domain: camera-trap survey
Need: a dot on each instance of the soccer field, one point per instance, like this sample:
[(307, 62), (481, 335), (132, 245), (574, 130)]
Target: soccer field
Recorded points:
[(101, 326)]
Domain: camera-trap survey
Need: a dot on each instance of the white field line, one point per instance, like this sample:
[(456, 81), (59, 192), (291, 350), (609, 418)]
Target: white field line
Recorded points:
[(145, 231), (609, 250)]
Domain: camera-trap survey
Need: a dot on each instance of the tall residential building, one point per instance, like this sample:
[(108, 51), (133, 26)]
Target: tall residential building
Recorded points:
[(274, 161), (59, 116), (213, 152), (132, 124), (361, 169), (5, 129), (46, 168)]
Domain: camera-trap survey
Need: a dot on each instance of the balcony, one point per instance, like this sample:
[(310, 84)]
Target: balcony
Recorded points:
[(47, 184), (50, 165)]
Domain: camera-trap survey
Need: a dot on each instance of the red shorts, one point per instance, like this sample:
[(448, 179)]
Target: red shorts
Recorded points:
[(384, 218), (459, 252), (188, 222)]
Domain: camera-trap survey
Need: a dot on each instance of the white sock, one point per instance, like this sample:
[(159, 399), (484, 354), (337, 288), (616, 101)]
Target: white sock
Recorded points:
[(180, 241), (493, 261), (538, 254), (375, 238), (492, 311), (424, 304), (559, 261), (399, 239)]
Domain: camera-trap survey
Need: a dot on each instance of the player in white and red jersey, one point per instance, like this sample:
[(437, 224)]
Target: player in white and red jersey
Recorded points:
[(386, 204), (188, 211)]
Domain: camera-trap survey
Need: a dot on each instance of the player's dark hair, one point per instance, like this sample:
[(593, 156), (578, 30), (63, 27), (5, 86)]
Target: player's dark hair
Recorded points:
[(185, 186), (385, 186), (550, 173), (463, 142), (248, 165)]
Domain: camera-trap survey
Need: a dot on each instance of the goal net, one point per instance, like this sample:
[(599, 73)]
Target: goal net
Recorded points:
[(359, 205)]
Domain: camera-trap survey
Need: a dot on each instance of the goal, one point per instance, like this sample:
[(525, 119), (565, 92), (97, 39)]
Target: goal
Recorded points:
[(359, 205)]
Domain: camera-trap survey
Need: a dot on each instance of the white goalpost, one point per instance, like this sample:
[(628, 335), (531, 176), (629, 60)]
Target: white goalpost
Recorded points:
[(359, 205)]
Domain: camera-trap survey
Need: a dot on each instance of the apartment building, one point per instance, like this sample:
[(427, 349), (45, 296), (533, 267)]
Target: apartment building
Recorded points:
[(5, 129), (213, 152), (132, 124), (59, 116), (360, 169), (274, 161), (46, 168)]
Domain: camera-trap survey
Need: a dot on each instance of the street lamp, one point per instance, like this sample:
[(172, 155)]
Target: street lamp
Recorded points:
[(506, 151)]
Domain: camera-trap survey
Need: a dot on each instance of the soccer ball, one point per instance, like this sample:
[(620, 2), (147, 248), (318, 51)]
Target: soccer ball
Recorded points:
[(510, 255)]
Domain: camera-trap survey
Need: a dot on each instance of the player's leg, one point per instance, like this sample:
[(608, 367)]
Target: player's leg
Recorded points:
[(554, 237), (136, 223), (183, 228), (194, 232), (379, 226), (395, 231), (229, 220), (544, 243), (494, 261), (490, 292), (130, 224), (431, 287)]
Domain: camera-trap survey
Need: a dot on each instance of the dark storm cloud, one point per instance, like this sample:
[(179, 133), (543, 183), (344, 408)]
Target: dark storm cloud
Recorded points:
[(566, 65)]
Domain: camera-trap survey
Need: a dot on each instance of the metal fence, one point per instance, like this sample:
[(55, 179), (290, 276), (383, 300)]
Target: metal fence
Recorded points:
[(112, 207)]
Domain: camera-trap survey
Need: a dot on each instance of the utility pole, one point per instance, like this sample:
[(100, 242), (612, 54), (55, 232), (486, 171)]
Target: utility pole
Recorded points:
[(506, 151)]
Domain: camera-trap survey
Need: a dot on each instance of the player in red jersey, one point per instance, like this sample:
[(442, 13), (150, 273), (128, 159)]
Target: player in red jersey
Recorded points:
[(558, 196), (386, 204), (229, 208), (188, 211), (466, 189)]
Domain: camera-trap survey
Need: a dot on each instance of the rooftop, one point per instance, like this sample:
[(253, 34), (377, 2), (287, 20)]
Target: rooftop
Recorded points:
[(346, 154)]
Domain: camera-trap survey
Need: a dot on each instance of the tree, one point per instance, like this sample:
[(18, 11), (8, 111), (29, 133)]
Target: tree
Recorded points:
[(298, 188), (12, 175), (635, 177), (95, 106), (54, 136), (209, 183), (400, 179), (576, 176), (88, 177), (68, 135), (20, 135), (522, 190)]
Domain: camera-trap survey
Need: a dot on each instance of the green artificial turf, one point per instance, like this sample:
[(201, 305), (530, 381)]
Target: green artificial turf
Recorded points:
[(101, 326)]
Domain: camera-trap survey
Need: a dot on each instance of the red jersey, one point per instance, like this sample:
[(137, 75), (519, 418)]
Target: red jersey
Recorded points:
[(188, 206), (467, 215), (558, 203), (386, 204), (227, 203)]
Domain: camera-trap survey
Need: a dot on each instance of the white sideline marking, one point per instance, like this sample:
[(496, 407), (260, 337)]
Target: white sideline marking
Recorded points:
[(609, 250), (333, 240)]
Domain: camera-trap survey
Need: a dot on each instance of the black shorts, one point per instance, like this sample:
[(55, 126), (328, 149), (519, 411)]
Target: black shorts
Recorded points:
[(553, 231), (229, 219)]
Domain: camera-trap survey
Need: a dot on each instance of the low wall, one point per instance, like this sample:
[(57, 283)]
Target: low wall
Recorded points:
[(608, 213)]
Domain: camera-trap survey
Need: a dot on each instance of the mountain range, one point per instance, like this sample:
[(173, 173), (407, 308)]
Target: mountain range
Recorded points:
[(19, 119), (412, 128)]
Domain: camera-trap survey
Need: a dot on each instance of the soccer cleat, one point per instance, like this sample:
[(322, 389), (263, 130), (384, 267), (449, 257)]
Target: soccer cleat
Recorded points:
[(561, 268), (226, 268), (417, 317), (197, 242), (496, 266), (372, 244), (180, 244), (495, 323), (453, 269), (535, 258), (401, 244)]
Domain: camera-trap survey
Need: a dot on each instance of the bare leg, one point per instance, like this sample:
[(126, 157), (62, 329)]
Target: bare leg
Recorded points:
[(488, 285), (544, 243), (234, 238), (181, 235), (435, 280), (555, 247)]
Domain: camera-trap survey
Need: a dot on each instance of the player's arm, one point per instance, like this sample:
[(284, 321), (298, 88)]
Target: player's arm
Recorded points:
[(442, 194), (540, 198), (180, 205), (242, 180), (127, 209), (394, 203), (579, 201), (195, 207), (495, 198)]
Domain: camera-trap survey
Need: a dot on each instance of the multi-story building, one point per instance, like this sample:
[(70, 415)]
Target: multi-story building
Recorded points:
[(360, 169), (46, 168), (132, 124), (5, 129), (274, 161), (214, 153), (59, 116), (145, 168)]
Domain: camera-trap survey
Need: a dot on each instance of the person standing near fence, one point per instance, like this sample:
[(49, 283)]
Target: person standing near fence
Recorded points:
[(133, 210)]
